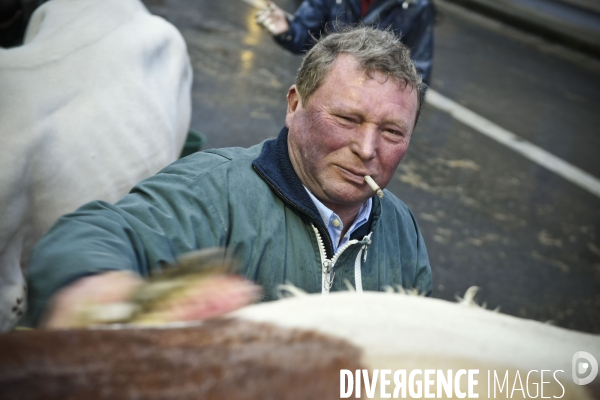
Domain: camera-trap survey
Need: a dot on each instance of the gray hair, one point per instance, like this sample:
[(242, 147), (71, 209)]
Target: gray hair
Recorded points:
[(374, 49)]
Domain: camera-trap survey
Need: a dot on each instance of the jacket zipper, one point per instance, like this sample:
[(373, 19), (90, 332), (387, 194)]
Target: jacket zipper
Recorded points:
[(328, 264)]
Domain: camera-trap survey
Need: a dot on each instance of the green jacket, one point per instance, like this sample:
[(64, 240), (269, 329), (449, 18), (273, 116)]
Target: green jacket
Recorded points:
[(248, 200)]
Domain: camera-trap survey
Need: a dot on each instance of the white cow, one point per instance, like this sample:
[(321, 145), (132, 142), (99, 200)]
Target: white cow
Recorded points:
[(96, 99)]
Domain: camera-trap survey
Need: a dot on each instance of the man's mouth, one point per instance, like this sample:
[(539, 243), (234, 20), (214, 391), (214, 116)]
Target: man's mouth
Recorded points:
[(354, 175)]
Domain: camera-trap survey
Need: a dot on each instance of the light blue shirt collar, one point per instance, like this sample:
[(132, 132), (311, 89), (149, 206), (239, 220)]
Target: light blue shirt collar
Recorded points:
[(334, 223)]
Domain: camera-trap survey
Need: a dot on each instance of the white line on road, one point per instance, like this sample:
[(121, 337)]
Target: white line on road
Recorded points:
[(514, 142)]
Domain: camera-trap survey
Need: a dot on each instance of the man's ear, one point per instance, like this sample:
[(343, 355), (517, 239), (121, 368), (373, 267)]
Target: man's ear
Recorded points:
[(293, 104)]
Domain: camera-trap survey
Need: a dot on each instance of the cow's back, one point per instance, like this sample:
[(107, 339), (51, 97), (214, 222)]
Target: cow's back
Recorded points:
[(400, 332)]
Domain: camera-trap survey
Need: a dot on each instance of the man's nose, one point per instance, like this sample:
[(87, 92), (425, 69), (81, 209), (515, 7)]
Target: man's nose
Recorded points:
[(366, 141)]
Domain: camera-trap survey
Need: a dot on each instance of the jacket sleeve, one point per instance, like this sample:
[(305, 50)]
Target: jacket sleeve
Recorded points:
[(309, 20), (422, 281), (419, 38), (153, 224), (423, 278)]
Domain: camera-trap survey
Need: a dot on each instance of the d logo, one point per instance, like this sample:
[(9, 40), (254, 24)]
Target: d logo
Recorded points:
[(584, 363)]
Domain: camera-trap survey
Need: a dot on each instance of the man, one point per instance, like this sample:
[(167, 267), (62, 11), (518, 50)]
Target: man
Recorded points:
[(411, 20), (294, 209)]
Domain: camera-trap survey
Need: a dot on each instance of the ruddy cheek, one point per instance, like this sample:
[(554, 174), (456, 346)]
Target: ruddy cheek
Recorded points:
[(390, 164)]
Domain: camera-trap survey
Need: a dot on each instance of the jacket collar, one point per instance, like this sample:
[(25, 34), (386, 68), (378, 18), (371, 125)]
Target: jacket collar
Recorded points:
[(274, 166)]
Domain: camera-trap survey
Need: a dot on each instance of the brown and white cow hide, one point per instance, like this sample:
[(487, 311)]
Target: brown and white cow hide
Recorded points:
[(97, 99), (295, 349)]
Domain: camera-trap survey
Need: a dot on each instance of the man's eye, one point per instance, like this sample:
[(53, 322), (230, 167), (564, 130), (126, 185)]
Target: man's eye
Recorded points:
[(347, 119), (395, 132)]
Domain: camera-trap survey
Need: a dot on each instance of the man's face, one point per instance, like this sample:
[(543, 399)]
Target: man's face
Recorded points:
[(352, 126)]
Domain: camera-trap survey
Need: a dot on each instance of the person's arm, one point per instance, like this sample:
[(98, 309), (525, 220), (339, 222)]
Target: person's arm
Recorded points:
[(420, 40), (160, 219), (296, 35)]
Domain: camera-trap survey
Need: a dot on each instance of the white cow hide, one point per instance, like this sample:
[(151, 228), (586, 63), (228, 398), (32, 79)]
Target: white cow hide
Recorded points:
[(411, 332), (97, 99)]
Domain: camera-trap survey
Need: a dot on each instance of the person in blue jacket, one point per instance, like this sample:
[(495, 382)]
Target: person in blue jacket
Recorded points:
[(411, 20)]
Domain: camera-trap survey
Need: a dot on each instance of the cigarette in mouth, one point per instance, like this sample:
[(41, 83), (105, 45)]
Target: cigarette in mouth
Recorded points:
[(374, 186)]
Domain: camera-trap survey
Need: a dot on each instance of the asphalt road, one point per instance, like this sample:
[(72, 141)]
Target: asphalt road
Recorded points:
[(528, 238)]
